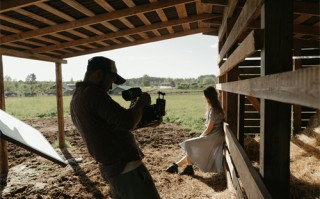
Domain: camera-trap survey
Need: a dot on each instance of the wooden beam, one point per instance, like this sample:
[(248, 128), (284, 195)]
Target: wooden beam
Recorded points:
[(18, 22), (27, 55), (248, 47), (232, 102), (228, 12), (240, 119), (35, 16), (248, 12), (255, 103), (4, 166), (138, 42), (125, 21), (215, 2), (310, 8), (92, 20), (299, 87), (302, 43), (296, 109), (306, 30), (129, 3), (275, 115), (55, 11), (233, 175), (2, 97), (182, 13), (61, 136), (251, 181), (123, 33), (12, 5), (105, 5), (79, 7)]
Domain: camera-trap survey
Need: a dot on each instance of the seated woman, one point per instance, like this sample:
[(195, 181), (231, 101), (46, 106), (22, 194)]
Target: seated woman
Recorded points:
[(205, 151)]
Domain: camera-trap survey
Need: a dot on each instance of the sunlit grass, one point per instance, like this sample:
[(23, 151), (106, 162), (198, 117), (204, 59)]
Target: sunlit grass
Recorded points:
[(186, 110), (31, 107)]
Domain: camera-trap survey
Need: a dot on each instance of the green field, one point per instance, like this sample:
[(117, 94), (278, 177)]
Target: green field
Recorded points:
[(185, 109)]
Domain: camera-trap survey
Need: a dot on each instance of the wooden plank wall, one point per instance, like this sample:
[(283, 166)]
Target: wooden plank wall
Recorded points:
[(251, 69), (264, 84)]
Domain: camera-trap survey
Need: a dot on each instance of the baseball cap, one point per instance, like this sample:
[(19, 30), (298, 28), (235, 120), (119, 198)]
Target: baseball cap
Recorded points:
[(107, 65)]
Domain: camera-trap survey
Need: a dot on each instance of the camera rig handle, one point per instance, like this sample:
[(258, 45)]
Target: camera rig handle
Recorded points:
[(161, 93)]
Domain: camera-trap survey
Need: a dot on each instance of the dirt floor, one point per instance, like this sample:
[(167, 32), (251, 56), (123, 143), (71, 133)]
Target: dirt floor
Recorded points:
[(31, 176)]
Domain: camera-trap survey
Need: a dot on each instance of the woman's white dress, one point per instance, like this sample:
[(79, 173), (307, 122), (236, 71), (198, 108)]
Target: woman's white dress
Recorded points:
[(207, 152)]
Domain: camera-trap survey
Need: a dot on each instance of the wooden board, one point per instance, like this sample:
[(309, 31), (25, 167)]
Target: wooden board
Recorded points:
[(251, 180), (299, 87), (18, 132)]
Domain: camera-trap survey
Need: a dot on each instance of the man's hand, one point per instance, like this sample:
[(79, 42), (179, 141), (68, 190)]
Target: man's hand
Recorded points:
[(145, 98), (137, 109)]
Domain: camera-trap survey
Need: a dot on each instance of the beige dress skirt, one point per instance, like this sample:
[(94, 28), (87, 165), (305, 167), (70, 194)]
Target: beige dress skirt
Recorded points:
[(207, 152)]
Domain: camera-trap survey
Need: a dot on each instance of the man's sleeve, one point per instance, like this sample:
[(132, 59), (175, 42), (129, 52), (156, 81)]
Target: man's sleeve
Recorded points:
[(112, 112)]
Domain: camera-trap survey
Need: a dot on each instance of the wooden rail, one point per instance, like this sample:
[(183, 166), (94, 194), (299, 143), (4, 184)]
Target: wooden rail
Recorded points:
[(248, 47), (239, 163), (287, 87)]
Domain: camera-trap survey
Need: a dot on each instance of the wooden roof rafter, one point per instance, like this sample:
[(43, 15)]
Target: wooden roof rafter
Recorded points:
[(67, 27), (54, 37)]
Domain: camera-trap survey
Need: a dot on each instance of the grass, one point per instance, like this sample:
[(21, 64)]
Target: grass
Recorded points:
[(31, 107), (186, 110)]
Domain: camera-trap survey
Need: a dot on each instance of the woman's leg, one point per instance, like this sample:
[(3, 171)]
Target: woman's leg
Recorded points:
[(188, 170), (173, 168), (184, 160)]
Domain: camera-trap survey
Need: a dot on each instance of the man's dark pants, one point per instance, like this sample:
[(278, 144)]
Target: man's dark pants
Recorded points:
[(135, 184)]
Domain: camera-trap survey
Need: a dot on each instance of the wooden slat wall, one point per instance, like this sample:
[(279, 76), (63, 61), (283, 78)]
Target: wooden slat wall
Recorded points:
[(269, 84), (250, 69)]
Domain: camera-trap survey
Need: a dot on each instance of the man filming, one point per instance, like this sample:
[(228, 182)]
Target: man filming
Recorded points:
[(106, 127)]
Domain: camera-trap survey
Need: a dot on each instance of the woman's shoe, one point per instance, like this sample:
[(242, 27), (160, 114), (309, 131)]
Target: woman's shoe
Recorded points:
[(188, 171), (173, 168)]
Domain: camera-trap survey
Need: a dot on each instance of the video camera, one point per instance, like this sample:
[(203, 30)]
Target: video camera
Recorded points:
[(152, 114)]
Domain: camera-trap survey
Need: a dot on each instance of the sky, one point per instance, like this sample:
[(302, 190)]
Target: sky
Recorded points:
[(184, 57)]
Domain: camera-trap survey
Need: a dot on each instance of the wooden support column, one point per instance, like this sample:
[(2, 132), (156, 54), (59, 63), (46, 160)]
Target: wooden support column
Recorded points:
[(3, 143), (232, 102), (223, 100), (297, 108), (231, 98), (61, 135), (276, 57), (240, 122)]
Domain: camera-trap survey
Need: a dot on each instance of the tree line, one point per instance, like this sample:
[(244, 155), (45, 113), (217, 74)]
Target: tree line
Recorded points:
[(179, 83), (31, 86)]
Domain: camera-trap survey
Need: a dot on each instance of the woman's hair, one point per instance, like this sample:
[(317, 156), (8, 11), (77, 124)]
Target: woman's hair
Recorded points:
[(212, 96)]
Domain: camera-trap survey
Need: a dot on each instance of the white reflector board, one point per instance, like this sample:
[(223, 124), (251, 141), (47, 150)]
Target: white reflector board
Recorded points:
[(24, 135)]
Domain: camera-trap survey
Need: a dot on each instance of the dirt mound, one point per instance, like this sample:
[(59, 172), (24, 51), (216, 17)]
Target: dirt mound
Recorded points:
[(31, 176)]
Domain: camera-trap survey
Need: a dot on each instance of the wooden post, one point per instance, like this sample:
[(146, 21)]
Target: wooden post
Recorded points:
[(231, 98), (240, 122), (297, 108), (3, 143), (232, 102), (276, 57), (222, 94), (61, 136)]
